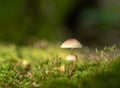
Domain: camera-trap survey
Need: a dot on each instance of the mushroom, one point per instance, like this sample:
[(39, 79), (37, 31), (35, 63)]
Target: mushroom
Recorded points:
[(71, 57), (71, 43)]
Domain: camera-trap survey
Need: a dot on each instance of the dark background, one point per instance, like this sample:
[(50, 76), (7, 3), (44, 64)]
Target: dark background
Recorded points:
[(93, 22)]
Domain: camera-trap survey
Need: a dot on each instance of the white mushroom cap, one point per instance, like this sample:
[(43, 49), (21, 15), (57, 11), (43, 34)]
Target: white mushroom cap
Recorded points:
[(71, 43), (71, 58)]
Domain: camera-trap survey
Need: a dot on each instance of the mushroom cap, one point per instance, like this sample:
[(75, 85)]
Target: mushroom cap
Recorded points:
[(71, 43), (71, 58)]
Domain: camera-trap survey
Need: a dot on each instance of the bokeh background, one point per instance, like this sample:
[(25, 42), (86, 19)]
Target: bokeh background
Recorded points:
[(93, 22)]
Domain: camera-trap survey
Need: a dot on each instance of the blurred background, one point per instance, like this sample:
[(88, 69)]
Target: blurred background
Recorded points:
[(92, 22)]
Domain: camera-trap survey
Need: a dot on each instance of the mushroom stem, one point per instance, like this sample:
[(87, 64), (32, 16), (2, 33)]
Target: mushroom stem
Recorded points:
[(71, 51)]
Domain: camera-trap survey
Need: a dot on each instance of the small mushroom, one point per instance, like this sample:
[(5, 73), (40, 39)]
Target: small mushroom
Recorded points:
[(71, 57), (71, 43)]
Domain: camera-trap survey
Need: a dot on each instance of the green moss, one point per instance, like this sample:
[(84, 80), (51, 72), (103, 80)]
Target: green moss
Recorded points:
[(29, 67)]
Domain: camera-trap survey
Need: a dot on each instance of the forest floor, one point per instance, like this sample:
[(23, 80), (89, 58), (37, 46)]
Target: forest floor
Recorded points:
[(43, 65)]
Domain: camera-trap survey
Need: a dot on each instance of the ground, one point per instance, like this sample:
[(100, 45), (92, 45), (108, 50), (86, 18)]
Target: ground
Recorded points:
[(43, 65)]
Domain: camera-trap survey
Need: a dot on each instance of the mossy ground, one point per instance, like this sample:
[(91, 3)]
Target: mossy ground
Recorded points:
[(46, 67)]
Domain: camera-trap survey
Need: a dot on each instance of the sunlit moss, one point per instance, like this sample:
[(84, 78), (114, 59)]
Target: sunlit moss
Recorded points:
[(29, 66)]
